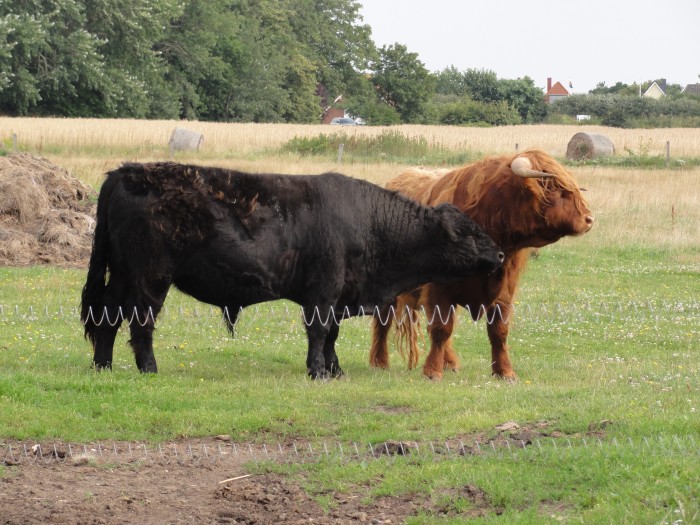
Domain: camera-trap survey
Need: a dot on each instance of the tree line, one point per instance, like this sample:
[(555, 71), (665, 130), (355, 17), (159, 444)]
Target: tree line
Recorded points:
[(235, 61)]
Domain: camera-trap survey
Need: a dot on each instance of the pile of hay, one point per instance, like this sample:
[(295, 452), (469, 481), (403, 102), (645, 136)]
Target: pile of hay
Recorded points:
[(46, 214)]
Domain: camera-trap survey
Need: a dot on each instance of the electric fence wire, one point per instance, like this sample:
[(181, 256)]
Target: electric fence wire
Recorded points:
[(554, 312), (212, 451)]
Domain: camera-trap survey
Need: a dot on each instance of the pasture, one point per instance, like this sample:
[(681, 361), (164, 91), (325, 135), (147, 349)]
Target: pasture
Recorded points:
[(603, 423)]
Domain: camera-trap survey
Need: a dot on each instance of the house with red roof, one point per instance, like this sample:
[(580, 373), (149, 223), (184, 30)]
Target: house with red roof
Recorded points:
[(554, 92)]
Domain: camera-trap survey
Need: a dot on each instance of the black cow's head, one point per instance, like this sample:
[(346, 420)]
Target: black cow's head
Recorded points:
[(468, 248)]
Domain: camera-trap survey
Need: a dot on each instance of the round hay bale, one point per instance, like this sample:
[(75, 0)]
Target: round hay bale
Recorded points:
[(184, 139), (584, 146)]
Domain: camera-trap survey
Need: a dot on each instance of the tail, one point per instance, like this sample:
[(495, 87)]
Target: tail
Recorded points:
[(405, 317), (94, 289), (406, 337)]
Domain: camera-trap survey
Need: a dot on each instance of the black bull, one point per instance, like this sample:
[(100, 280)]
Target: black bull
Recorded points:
[(330, 243)]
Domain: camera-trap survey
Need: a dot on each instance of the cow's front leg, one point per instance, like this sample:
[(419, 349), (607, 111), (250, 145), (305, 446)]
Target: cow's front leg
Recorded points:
[(317, 332), (332, 366), (497, 329)]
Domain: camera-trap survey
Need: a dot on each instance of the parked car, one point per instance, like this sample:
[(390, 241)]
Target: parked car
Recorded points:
[(343, 121)]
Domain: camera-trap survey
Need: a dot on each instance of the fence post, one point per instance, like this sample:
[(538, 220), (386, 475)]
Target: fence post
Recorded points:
[(668, 153), (340, 153), (14, 142)]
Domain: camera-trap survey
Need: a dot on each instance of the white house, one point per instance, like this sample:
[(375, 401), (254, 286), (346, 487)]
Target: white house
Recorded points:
[(654, 91)]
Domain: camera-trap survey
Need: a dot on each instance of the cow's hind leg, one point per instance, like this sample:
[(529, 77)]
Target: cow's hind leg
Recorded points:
[(104, 339), (142, 319), (106, 318)]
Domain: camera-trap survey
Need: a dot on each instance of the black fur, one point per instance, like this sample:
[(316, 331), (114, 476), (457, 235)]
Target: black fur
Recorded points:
[(327, 242)]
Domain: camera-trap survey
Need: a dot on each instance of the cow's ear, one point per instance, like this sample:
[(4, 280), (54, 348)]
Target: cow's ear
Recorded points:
[(447, 221)]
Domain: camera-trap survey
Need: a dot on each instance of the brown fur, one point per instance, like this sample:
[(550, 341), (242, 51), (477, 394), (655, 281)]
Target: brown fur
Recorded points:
[(519, 214)]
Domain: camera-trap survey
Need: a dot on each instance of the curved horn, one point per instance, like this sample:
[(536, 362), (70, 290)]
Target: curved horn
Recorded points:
[(522, 167)]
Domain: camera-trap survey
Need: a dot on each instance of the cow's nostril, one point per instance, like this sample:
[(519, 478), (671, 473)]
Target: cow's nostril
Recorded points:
[(501, 256), (589, 219)]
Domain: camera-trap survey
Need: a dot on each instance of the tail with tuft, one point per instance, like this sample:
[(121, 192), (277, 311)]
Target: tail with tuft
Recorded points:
[(95, 285)]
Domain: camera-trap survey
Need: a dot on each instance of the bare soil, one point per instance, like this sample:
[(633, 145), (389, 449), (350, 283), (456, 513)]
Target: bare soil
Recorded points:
[(171, 485), (157, 493)]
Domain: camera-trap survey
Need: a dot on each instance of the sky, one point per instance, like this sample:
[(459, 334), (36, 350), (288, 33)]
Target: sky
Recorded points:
[(585, 42)]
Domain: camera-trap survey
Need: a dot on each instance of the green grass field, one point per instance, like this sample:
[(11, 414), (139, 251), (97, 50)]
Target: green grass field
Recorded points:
[(605, 343), (605, 340)]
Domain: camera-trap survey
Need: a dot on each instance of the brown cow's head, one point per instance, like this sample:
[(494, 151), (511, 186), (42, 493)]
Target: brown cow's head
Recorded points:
[(561, 207), (526, 200)]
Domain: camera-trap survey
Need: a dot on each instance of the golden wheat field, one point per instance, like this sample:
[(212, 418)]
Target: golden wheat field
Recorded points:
[(226, 138), (658, 208)]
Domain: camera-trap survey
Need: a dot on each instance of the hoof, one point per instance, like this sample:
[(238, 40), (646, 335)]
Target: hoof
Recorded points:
[(379, 364), (433, 375), (509, 376), (98, 367), (321, 375), (335, 373)]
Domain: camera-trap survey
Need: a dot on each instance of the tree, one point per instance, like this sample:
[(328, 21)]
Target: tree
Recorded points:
[(189, 48), (482, 85), (83, 58), (618, 89), (281, 58), (336, 44), (450, 81), (522, 95), (403, 82), (49, 63)]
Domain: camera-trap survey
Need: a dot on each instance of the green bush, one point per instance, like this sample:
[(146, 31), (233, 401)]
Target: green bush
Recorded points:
[(465, 111), (320, 145), (389, 146)]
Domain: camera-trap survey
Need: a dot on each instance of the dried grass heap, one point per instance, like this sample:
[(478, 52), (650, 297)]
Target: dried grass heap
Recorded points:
[(46, 214)]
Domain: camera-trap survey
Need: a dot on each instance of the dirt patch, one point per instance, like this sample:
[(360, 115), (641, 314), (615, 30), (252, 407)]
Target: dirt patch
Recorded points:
[(209, 480), (46, 214), (158, 492), (205, 480)]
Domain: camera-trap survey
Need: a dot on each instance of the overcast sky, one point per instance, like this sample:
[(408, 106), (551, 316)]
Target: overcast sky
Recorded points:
[(584, 42)]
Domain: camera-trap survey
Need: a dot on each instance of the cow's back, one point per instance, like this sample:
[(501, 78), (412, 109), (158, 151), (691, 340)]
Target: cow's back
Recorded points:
[(413, 183), (427, 187)]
